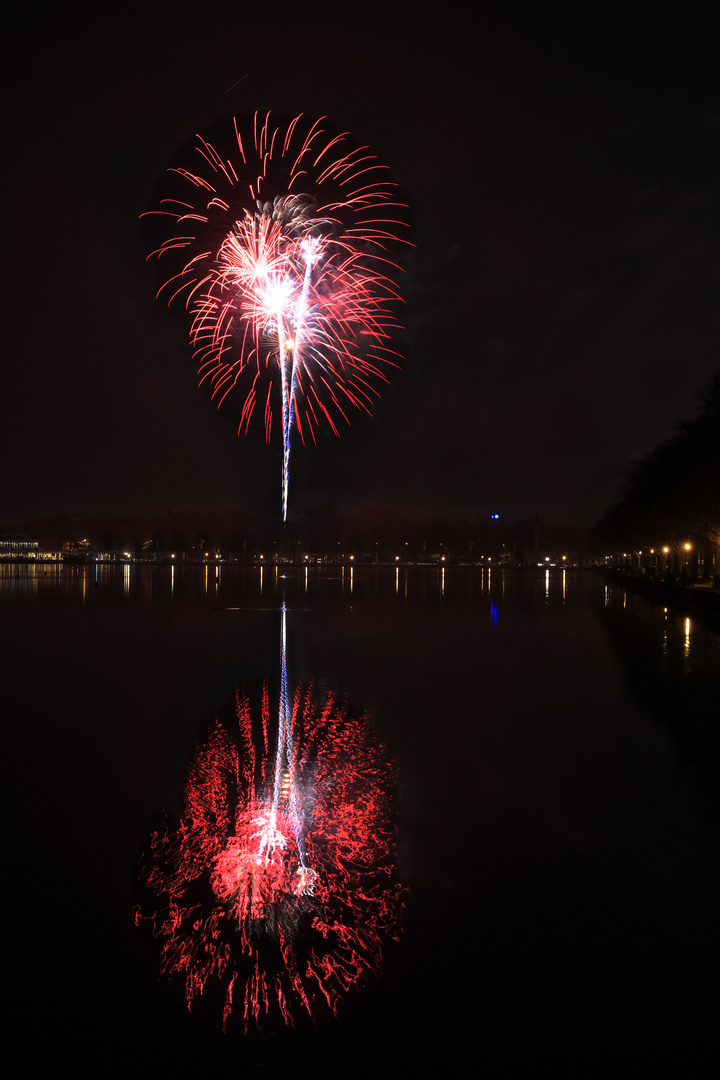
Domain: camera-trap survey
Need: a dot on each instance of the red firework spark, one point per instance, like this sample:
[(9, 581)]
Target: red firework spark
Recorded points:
[(286, 902), (289, 271)]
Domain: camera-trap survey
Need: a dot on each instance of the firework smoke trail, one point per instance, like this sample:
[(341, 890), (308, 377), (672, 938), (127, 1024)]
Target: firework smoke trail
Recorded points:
[(290, 272), (278, 886)]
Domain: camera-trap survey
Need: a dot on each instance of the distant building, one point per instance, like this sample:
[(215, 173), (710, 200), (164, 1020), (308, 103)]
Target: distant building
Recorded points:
[(18, 547)]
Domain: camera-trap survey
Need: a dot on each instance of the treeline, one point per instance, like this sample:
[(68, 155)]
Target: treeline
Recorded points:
[(671, 497)]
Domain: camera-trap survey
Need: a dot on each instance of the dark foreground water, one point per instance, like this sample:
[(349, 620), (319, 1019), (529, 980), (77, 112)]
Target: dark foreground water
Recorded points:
[(559, 754)]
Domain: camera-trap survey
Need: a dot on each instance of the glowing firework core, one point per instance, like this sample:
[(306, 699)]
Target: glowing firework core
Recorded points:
[(298, 284)]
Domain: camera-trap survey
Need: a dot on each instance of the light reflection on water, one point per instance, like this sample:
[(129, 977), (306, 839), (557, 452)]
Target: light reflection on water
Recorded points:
[(550, 731), (668, 640), (188, 583)]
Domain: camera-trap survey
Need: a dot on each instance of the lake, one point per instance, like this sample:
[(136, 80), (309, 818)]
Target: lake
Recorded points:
[(558, 751)]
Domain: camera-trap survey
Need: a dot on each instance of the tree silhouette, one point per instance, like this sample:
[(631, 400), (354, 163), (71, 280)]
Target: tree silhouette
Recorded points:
[(672, 495)]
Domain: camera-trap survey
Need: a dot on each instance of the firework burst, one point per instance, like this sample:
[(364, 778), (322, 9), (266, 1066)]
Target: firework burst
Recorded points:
[(287, 272), (278, 888)]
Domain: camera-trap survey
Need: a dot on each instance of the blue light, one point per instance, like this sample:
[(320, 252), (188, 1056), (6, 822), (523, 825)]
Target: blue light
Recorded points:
[(495, 517)]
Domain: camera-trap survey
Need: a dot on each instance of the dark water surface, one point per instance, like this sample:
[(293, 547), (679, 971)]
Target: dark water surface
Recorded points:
[(558, 745)]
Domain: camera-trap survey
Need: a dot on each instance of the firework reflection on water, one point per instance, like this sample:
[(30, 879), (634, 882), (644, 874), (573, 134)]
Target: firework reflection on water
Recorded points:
[(278, 886)]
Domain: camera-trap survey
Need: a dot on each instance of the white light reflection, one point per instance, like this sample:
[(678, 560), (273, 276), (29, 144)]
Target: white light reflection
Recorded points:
[(126, 579)]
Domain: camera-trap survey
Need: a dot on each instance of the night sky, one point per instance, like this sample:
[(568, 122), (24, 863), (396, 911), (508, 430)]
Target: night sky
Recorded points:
[(562, 299)]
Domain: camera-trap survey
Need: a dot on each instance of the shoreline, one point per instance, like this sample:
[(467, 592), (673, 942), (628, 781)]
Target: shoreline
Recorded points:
[(700, 596)]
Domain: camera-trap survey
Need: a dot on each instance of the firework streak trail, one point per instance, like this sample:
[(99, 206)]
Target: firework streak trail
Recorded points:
[(289, 273), (278, 887)]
